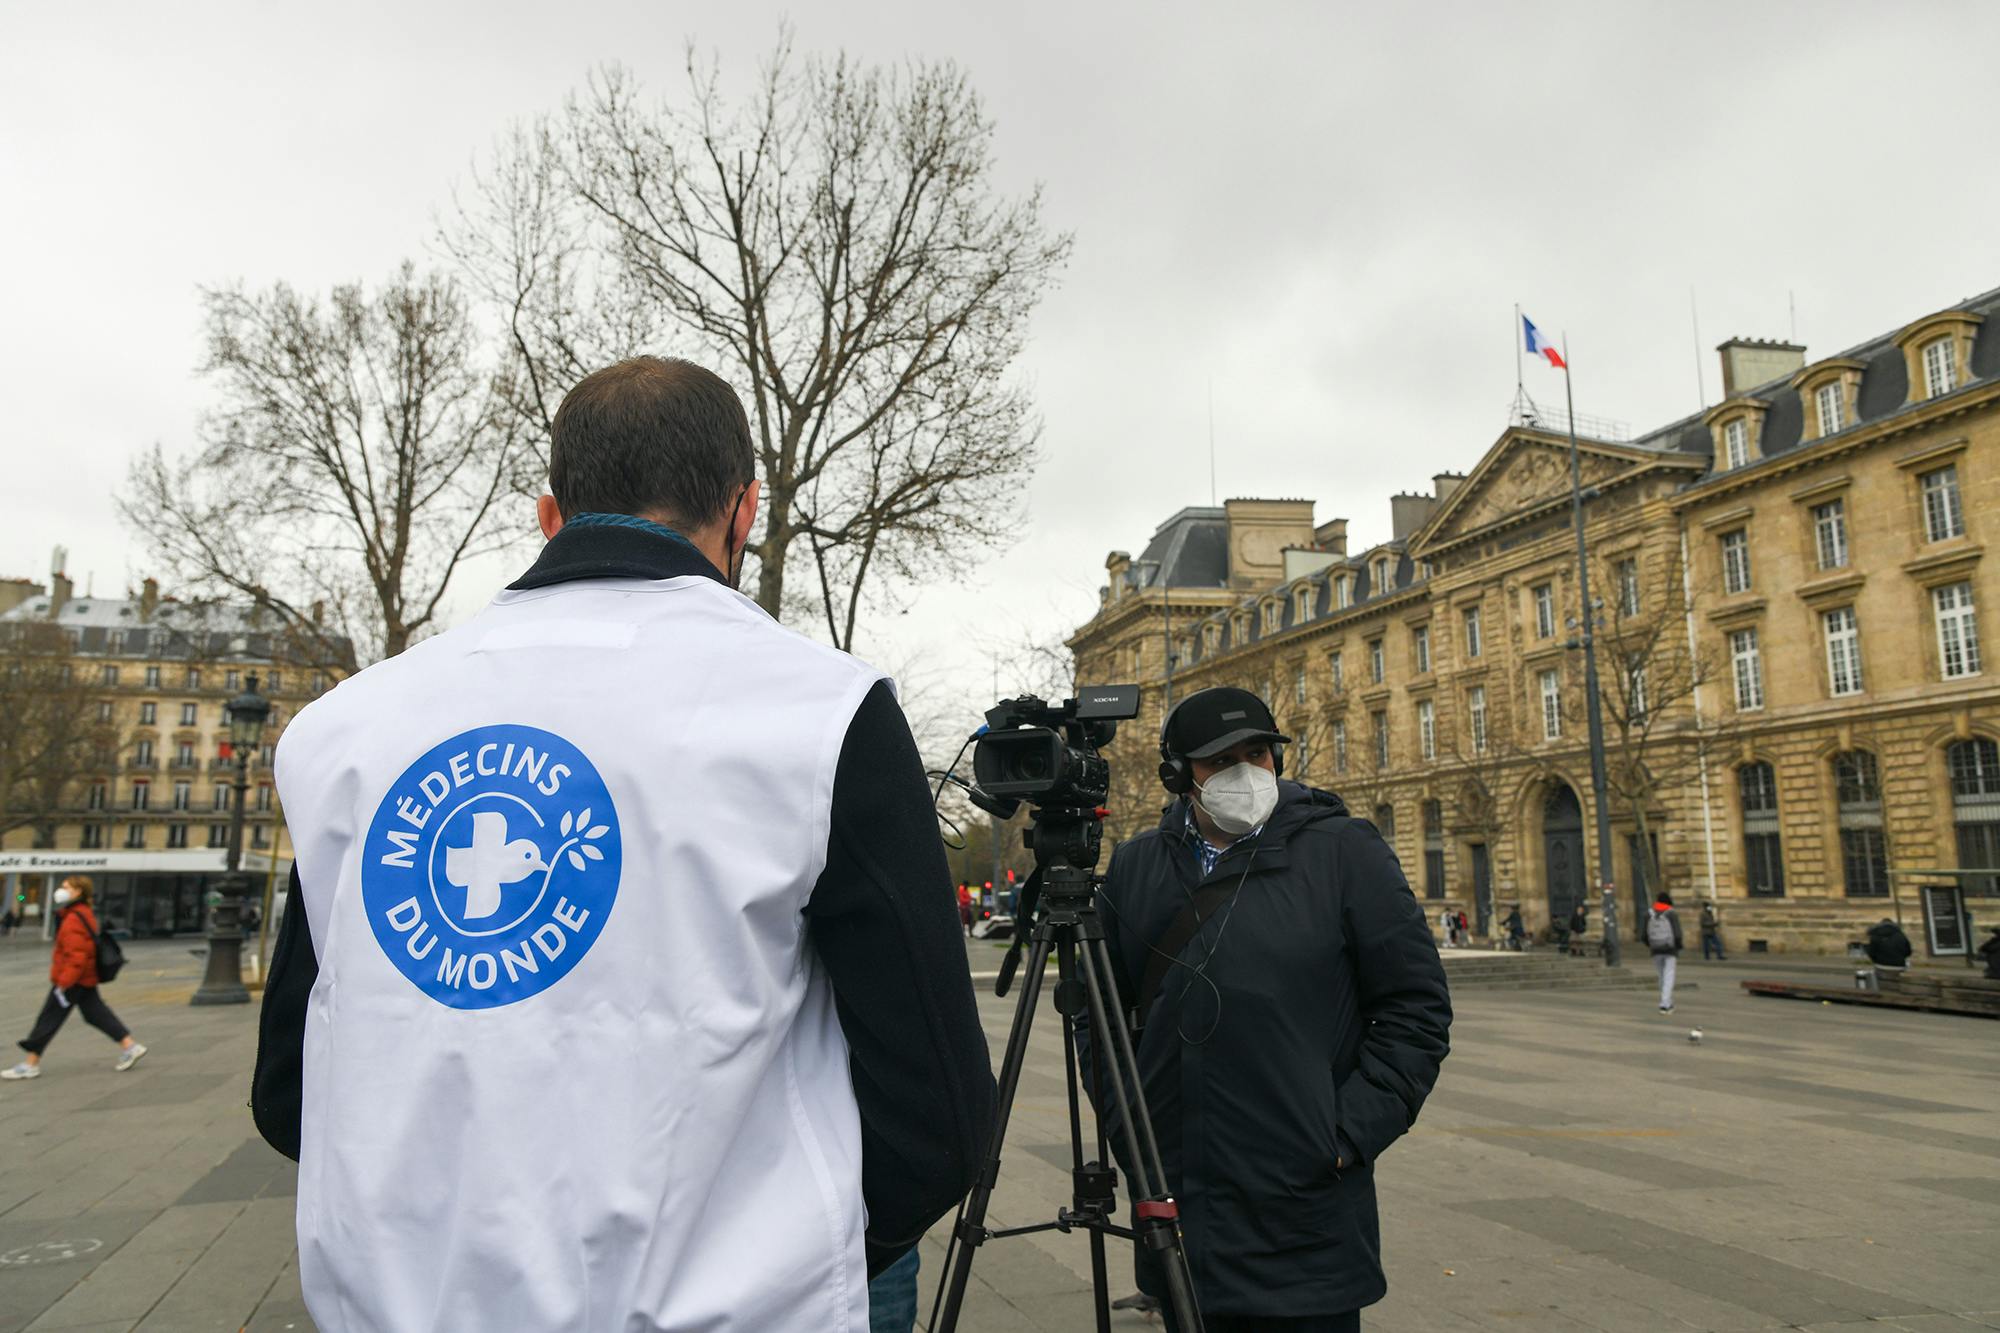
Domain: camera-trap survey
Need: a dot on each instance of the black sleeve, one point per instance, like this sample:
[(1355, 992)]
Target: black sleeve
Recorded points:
[(885, 925), (281, 1028), (1400, 986)]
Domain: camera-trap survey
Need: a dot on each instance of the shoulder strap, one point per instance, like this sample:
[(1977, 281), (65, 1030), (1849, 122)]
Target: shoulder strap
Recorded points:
[(1202, 905)]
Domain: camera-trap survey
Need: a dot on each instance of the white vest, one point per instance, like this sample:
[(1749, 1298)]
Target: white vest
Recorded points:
[(570, 1063)]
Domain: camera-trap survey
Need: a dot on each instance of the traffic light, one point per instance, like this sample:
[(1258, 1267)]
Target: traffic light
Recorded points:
[(1010, 877), (989, 886)]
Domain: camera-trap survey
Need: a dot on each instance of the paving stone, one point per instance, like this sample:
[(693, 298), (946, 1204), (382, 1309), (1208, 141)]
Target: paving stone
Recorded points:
[(1731, 1187)]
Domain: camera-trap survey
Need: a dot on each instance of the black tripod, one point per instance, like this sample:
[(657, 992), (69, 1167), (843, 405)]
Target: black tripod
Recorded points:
[(1067, 925)]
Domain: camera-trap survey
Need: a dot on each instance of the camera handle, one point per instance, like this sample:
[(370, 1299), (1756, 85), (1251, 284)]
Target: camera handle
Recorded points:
[(1068, 926)]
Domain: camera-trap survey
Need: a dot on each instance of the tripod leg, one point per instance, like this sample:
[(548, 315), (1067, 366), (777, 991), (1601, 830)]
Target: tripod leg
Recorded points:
[(971, 1230), (1158, 1219), (1068, 984)]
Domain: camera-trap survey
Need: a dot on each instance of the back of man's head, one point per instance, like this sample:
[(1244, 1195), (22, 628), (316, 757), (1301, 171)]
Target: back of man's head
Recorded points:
[(651, 435)]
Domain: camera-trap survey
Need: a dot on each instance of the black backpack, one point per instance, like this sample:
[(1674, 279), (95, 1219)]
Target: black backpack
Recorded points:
[(110, 958)]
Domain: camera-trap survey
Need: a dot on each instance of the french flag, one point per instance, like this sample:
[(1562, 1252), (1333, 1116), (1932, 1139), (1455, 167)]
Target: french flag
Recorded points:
[(1539, 344)]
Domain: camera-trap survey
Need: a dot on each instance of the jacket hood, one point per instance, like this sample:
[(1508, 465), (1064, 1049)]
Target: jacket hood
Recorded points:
[(1298, 806)]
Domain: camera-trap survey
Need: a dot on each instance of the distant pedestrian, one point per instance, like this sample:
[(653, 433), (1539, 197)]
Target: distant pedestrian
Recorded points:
[(1464, 927), (1992, 951), (1888, 946), (1663, 937), (1579, 926), (1711, 931), (965, 909), (73, 970), (1450, 924), (1517, 933)]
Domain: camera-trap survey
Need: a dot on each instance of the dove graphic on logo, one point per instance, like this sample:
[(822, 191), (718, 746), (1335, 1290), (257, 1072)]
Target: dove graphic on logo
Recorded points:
[(490, 863)]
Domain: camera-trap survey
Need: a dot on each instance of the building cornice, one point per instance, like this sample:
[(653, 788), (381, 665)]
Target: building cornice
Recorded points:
[(1905, 420)]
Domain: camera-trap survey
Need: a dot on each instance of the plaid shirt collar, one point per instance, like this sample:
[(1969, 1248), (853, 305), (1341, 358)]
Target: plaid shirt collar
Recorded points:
[(1205, 851)]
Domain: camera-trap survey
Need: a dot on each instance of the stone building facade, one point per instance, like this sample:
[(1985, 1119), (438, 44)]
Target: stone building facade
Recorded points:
[(1800, 712), (146, 809)]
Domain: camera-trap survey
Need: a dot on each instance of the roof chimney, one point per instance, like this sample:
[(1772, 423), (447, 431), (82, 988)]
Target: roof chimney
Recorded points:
[(149, 598), (1444, 483), (1332, 536), (60, 589), (1407, 513), (1749, 362)]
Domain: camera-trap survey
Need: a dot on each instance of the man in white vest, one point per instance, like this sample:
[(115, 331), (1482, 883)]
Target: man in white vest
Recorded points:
[(621, 985)]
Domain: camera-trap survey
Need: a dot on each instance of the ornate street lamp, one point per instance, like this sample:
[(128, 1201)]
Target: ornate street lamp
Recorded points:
[(223, 982)]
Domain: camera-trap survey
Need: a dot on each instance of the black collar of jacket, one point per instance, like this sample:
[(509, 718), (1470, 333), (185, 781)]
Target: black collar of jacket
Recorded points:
[(1298, 806), (606, 552)]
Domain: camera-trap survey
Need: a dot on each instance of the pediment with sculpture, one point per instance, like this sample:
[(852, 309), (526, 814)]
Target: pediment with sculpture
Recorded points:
[(1521, 474)]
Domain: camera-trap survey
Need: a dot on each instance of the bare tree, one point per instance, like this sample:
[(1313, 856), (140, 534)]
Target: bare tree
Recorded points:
[(1480, 767), (50, 733), (835, 241), (1648, 676), (360, 454)]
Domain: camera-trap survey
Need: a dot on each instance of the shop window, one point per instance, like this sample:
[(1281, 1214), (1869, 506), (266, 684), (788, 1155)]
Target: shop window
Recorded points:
[(1864, 852), (1974, 766), (1763, 859)]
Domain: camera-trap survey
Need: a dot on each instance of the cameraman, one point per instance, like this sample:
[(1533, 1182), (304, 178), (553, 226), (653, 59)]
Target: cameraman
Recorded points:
[(1293, 1015), (622, 981)]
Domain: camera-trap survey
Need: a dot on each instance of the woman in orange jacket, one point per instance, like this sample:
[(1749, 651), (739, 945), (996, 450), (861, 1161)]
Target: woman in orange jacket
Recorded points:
[(73, 970)]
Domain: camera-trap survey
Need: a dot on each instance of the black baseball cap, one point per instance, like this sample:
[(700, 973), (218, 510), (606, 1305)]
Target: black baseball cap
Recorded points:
[(1210, 721)]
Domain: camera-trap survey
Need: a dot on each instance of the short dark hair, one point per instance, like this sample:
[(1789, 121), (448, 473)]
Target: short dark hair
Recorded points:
[(651, 434)]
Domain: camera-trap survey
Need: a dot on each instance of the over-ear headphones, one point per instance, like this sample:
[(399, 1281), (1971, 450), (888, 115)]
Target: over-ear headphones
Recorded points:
[(1177, 776)]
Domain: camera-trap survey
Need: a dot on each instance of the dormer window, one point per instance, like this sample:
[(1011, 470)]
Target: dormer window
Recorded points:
[(1302, 605), (1940, 366), (1211, 639), (1239, 629), (1937, 352), (1827, 401), (1380, 576), (1273, 617), (1343, 591), (1736, 443)]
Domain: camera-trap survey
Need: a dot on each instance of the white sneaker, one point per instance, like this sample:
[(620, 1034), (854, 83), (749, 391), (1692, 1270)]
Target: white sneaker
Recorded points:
[(22, 1070), (129, 1057)]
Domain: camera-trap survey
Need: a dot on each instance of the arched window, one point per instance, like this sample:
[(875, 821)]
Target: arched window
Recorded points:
[(1975, 807), (1863, 852), (1433, 850), (1763, 859)]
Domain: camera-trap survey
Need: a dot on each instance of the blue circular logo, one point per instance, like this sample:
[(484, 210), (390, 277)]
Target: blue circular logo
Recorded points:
[(491, 866)]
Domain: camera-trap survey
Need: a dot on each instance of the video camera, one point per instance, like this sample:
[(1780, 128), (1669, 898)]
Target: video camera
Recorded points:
[(1047, 755)]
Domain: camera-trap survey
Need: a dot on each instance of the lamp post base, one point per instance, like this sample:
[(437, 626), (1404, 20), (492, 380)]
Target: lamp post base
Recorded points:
[(223, 981)]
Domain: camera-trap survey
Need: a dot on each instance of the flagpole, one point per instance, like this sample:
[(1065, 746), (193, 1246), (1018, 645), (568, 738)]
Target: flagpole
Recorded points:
[(1520, 336), (1593, 706)]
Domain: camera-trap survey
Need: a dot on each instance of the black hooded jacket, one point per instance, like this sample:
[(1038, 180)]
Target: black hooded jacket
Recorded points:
[(1294, 1040)]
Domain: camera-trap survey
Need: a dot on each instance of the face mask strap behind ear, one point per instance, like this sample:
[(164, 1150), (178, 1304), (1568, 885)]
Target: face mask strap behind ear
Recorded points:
[(735, 562)]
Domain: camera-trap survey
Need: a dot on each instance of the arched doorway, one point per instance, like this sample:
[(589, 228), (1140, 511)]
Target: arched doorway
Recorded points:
[(1562, 845)]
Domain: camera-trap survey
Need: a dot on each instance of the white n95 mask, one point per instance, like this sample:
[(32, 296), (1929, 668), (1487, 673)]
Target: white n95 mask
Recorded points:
[(1239, 798)]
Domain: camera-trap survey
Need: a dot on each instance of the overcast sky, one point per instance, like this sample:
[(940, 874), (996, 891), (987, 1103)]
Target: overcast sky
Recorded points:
[(1326, 210)]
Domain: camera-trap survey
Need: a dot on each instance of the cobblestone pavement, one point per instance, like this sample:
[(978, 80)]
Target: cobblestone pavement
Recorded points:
[(1583, 1165)]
